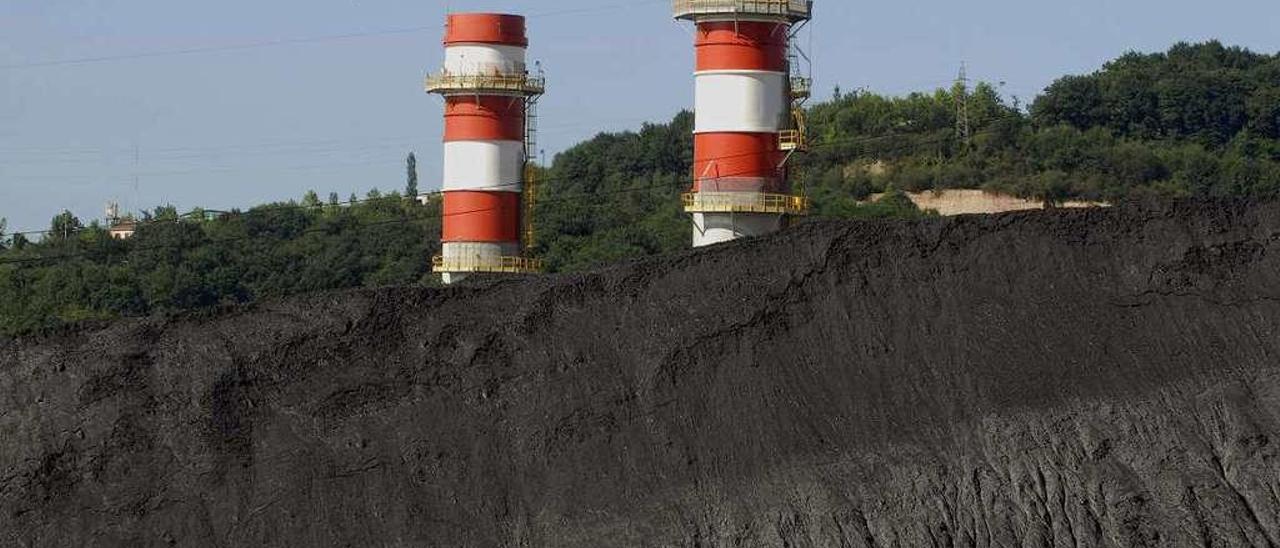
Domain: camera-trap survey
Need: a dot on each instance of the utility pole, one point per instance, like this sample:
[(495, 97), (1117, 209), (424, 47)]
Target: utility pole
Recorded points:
[(137, 160), (961, 91)]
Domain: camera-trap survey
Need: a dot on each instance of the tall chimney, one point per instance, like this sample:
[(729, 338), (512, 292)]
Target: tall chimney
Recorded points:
[(488, 93), (748, 119)]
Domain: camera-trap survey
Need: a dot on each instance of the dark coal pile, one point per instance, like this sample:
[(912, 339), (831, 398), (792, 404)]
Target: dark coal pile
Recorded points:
[(1075, 378)]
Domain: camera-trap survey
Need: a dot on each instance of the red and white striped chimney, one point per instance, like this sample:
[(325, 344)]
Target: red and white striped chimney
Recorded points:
[(745, 125), (488, 90)]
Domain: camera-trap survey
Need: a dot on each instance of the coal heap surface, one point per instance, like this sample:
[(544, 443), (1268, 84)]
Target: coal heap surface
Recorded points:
[(1064, 378)]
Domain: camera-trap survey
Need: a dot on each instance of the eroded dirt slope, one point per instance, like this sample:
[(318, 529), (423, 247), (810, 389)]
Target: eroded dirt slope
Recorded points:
[(1075, 378)]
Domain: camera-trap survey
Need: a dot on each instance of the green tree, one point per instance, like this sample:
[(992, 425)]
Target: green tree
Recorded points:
[(616, 195), (1053, 188), (1264, 112), (1206, 93), (165, 213), (411, 187), (64, 226)]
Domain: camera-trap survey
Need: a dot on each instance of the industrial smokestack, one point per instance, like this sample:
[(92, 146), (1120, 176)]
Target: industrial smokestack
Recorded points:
[(747, 116), (488, 92)]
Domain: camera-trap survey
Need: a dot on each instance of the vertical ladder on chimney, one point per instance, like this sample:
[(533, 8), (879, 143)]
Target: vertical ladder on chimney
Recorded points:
[(799, 89), (530, 170)]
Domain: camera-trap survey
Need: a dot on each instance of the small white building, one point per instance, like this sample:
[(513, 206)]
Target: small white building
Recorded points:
[(122, 229)]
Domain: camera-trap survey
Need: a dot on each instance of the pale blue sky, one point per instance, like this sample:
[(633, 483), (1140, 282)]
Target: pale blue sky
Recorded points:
[(239, 127)]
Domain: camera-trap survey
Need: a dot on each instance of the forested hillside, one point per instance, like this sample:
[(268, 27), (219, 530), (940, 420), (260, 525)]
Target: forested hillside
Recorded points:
[(1198, 120), (176, 263)]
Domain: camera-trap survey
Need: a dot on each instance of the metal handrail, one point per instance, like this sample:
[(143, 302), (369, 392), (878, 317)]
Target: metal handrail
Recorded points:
[(796, 138), (801, 87), (502, 265), (443, 82), (795, 10), (745, 202), (790, 139)]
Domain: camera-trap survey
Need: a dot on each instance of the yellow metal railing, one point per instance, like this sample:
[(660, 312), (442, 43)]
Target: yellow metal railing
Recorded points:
[(790, 139), (796, 10), (801, 88), (444, 82), (502, 265), (745, 202), (794, 139)]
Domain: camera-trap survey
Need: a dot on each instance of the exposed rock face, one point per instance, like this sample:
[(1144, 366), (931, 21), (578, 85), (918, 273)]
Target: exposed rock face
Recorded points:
[(970, 201), (1073, 378)]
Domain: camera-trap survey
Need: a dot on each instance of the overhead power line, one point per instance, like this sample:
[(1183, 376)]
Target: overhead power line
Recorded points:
[(961, 90), (295, 41), (216, 49), (581, 196), (498, 187), (191, 154), (595, 9), (584, 197)]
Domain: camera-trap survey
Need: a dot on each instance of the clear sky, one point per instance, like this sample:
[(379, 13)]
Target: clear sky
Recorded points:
[(337, 102)]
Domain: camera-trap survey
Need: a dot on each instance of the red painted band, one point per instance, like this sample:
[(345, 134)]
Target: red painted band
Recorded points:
[(486, 28), (742, 46), (483, 118), (740, 157), (487, 217)]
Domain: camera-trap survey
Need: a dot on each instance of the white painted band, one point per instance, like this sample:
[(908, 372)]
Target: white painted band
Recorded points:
[(495, 166), (740, 101), (484, 59), (478, 251)]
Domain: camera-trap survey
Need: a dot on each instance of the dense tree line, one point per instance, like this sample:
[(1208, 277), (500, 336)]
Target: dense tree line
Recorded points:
[(1198, 120), (187, 262), (616, 196)]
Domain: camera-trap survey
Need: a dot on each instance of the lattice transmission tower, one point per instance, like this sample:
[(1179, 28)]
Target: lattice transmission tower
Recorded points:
[(961, 92)]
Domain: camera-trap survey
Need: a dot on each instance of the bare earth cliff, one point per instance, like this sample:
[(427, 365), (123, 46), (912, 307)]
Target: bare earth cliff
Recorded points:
[(1062, 378)]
